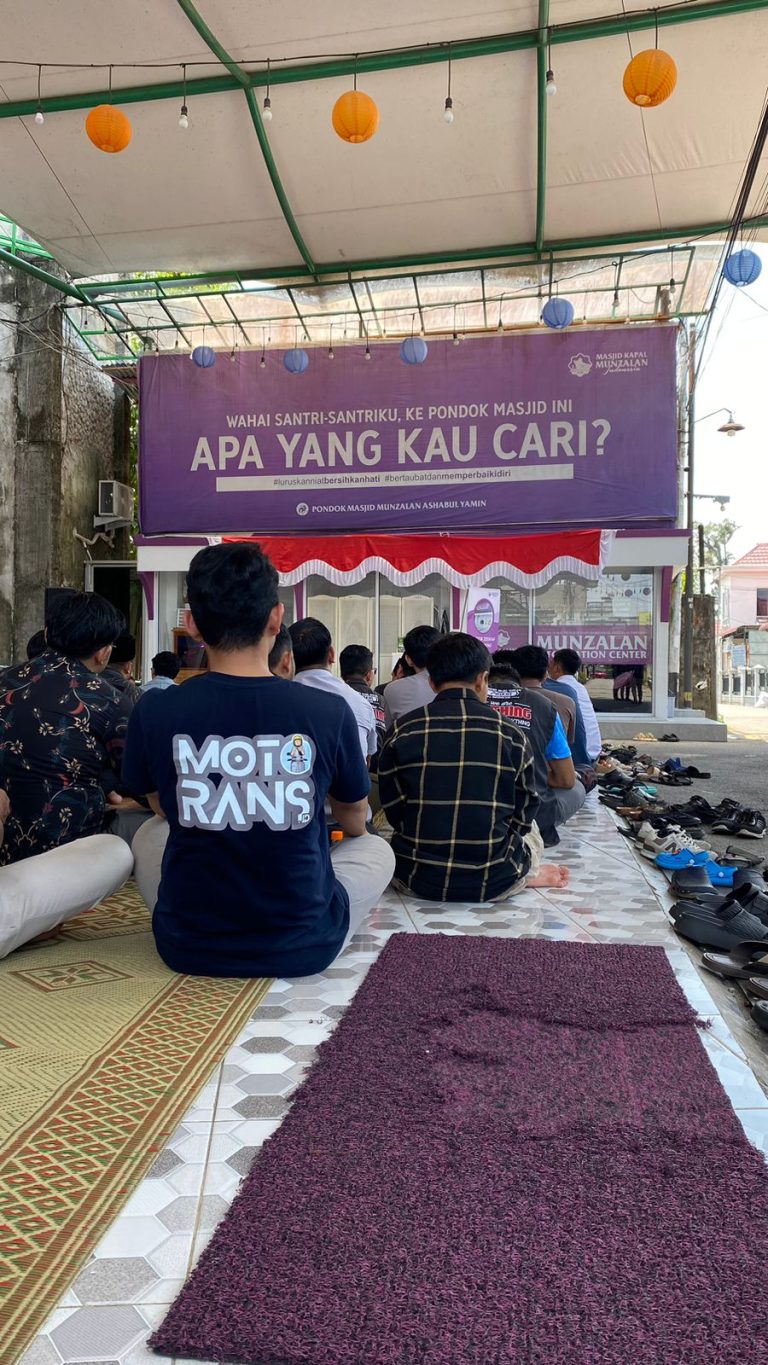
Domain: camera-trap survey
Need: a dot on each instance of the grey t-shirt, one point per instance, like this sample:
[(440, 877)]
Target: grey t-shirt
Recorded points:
[(407, 694)]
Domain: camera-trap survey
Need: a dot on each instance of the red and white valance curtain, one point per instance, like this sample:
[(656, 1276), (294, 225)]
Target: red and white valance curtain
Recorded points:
[(465, 561)]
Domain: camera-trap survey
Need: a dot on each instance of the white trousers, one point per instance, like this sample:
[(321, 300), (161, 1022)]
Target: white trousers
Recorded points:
[(40, 892), (364, 866)]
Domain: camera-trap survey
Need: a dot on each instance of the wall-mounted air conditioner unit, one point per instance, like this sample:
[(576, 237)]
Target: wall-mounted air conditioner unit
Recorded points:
[(115, 505)]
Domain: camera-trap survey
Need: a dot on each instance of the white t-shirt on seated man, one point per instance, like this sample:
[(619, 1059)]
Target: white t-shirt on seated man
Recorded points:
[(314, 656), (563, 667)]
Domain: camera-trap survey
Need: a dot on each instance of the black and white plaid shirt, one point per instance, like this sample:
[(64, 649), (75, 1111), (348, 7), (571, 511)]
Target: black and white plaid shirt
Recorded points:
[(456, 781)]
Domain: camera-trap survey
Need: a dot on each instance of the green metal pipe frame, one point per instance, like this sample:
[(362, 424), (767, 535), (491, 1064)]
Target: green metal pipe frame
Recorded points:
[(541, 123), (394, 60), (490, 256), (243, 81)]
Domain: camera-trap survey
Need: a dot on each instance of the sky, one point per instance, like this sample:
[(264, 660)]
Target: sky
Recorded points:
[(735, 375)]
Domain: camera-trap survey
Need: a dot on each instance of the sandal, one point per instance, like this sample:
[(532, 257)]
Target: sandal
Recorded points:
[(715, 928), (745, 960)]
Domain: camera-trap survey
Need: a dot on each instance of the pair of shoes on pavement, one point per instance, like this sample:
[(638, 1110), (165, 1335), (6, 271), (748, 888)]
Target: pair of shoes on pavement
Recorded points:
[(744, 823), (728, 817), (662, 838)]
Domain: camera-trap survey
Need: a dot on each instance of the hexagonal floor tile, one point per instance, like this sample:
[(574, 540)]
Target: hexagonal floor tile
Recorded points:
[(98, 1333), (273, 1044), (265, 1085), (114, 1279)]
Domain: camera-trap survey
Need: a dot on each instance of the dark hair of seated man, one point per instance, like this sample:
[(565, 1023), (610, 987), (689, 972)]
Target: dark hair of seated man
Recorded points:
[(568, 659), (531, 661), (311, 643), (417, 644), (457, 660), (81, 624), (36, 645), (166, 664), (503, 675), (280, 660), (355, 661), (231, 595)]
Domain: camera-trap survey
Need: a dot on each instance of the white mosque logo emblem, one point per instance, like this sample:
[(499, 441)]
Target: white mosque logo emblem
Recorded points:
[(580, 365), (302, 509)]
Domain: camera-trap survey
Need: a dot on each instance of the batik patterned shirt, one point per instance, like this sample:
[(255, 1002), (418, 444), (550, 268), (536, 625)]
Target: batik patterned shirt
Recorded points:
[(62, 731), (457, 783)]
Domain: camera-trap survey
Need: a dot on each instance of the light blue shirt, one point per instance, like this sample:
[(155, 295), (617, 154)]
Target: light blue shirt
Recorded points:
[(158, 682)]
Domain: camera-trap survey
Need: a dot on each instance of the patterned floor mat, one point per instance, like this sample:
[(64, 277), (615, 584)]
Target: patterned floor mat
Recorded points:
[(102, 1048)]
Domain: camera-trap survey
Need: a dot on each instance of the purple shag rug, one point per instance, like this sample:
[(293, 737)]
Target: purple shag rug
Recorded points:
[(510, 1151)]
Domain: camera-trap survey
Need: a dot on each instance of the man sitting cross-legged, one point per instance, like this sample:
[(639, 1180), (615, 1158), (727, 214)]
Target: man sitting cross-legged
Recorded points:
[(457, 783), (40, 893), (560, 792), (241, 878)]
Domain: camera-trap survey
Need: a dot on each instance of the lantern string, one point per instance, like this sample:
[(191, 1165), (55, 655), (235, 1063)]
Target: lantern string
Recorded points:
[(449, 70), (39, 80), (354, 83), (110, 85), (268, 76), (184, 81)]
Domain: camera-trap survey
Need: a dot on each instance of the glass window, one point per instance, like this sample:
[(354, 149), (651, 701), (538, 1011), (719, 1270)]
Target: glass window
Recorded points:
[(610, 625), (762, 601), (348, 612), (428, 603)]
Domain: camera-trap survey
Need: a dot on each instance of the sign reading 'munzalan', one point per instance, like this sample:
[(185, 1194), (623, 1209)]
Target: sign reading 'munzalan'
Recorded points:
[(501, 432)]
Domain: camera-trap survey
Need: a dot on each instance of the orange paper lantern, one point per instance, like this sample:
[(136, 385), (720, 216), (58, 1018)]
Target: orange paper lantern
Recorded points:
[(108, 128), (650, 78), (355, 116)]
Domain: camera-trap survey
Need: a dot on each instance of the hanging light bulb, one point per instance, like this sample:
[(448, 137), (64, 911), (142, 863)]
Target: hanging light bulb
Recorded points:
[(550, 86), (266, 108), (331, 353), (263, 362), (40, 116), (184, 112), (615, 304), (456, 339), (367, 351), (448, 114)]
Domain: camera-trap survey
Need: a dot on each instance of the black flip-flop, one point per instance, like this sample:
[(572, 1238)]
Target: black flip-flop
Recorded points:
[(760, 1014), (723, 929), (670, 739), (743, 961)]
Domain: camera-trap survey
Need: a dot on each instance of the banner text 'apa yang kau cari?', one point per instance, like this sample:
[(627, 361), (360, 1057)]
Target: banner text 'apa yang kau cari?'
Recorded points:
[(501, 432)]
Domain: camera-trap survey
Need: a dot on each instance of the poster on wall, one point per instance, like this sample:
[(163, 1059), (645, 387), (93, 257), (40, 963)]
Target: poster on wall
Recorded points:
[(483, 612), (505, 433)]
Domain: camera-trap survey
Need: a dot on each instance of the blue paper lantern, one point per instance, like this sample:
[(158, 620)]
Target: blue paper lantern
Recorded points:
[(414, 350), (204, 357), (742, 267), (557, 313), (296, 361)]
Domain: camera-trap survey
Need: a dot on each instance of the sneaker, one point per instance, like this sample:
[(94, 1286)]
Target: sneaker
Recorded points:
[(751, 824), (652, 842)]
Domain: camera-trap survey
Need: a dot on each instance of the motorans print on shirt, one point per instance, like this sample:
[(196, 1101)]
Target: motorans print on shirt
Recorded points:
[(237, 782)]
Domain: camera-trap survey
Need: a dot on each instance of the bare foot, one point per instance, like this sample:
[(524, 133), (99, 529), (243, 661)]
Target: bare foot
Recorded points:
[(550, 874)]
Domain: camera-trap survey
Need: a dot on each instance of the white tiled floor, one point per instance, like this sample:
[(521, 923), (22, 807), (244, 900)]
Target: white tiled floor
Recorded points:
[(142, 1261)]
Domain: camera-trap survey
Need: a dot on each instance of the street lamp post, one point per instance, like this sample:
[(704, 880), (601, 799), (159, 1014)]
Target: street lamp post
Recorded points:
[(729, 428)]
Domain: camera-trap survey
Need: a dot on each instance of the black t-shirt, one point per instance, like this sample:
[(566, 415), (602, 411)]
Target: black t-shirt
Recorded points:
[(535, 715), (242, 767)]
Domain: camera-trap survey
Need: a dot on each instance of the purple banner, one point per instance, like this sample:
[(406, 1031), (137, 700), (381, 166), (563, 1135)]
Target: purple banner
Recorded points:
[(505, 432), (595, 644)]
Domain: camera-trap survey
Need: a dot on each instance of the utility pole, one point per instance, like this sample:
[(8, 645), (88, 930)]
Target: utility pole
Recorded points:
[(687, 615), (702, 571)]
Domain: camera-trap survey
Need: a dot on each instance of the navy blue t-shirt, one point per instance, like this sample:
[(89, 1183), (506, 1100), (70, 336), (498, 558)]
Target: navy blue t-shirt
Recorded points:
[(242, 768)]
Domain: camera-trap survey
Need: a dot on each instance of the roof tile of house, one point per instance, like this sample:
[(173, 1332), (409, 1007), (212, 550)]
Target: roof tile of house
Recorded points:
[(756, 558)]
